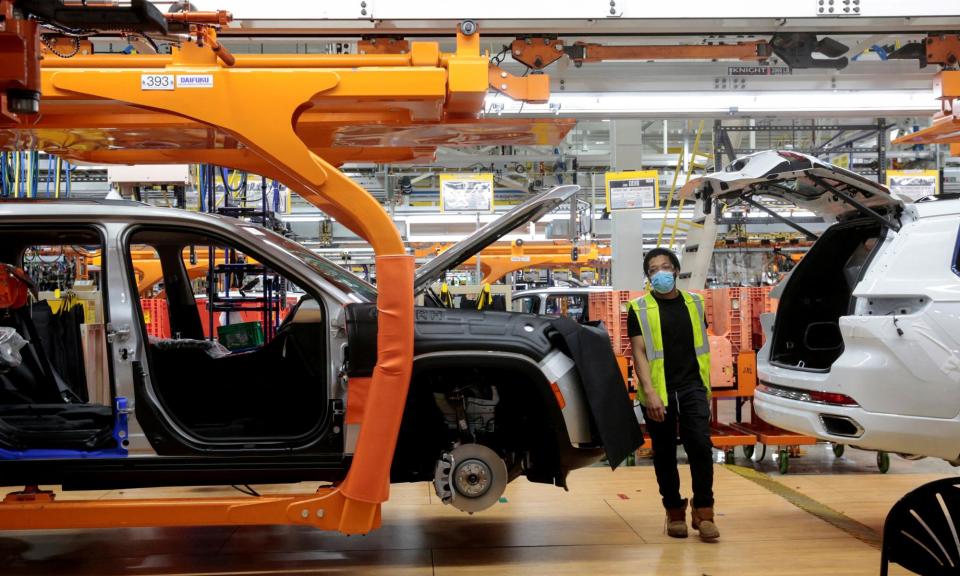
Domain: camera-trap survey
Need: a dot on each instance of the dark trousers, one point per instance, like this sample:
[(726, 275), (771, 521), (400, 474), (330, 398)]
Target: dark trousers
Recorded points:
[(687, 406)]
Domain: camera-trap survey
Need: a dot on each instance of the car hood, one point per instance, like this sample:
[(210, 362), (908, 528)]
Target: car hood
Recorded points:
[(531, 210), (812, 184)]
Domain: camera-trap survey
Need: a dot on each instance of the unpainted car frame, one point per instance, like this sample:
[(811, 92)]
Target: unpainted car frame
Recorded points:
[(493, 395)]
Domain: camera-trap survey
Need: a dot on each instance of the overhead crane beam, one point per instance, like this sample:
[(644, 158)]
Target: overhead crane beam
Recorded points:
[(624, 17)]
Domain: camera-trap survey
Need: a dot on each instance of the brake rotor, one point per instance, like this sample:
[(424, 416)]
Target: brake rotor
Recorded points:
[(471, 477)]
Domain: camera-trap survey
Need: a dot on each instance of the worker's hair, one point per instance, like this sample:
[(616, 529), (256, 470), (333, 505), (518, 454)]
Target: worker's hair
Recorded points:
[(658, 251)]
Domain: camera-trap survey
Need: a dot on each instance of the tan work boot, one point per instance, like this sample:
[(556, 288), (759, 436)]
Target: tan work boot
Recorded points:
[(676, 521), (702, 520)]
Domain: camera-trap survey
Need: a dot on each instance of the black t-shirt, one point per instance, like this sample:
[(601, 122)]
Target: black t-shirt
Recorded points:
[(680, 365)]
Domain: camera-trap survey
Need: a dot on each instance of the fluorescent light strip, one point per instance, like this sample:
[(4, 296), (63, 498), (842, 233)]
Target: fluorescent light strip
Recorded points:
[(710, 103)]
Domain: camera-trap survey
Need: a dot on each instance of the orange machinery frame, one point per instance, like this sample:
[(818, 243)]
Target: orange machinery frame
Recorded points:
[(946, 124), (498, 260), (942, 49), (278, 116)]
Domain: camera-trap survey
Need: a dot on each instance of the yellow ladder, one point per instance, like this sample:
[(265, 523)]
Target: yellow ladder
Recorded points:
[(702, 161)]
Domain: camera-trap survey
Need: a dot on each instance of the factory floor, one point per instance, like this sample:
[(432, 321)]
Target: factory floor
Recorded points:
[(609, 523)]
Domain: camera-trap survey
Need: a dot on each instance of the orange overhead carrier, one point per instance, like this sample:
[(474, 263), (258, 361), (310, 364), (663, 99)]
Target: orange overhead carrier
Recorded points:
[(946, 124), (501, 259), (942, 49), (277, 116)]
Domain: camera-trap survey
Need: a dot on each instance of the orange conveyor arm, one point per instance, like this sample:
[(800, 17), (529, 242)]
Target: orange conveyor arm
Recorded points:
[(235, 103)]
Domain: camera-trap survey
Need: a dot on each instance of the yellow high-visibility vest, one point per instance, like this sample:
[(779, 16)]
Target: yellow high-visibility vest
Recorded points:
[(647, 310)]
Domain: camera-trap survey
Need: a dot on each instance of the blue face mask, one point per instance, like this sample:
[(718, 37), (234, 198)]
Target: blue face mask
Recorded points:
[(663, 282)]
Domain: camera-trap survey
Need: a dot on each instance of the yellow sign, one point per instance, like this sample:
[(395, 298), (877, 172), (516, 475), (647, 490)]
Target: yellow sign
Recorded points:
[(632, 190), (842, 161), (914, 184), (466, 192)]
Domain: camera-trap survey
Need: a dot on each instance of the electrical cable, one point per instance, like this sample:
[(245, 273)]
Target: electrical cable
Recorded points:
[(34, 173), (500, 56), (225, 178), (48, 41), (150, 41), (247, 489)]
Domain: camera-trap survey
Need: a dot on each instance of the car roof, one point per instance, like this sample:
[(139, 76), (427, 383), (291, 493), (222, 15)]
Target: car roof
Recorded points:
[(85, 211), (41, 209), (938, 205)]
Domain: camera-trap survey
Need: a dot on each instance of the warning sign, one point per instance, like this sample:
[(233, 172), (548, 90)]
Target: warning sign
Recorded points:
[(914, 184), (632, 190)]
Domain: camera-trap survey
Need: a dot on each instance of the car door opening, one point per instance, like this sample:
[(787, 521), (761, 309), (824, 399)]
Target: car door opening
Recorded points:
[(55, 391), (235, 349)]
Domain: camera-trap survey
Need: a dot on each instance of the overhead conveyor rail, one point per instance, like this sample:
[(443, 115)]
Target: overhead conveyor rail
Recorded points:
[(632, 17)]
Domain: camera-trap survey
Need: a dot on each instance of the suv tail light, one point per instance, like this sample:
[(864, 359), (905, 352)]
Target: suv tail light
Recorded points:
[(832, 398)]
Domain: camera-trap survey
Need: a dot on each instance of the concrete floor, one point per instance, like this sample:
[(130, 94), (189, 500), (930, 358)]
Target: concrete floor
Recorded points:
[(609, 523)]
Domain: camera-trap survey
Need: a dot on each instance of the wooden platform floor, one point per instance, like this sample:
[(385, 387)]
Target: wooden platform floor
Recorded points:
[(610, 523)]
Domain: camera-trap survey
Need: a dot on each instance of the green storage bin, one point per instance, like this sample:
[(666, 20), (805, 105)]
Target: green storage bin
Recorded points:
[(241, 336)]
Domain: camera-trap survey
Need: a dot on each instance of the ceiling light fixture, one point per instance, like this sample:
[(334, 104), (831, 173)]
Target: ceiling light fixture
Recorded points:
[(819, 103)]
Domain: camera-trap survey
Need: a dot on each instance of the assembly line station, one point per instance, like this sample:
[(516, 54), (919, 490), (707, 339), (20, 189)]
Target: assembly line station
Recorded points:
[(296, 287)]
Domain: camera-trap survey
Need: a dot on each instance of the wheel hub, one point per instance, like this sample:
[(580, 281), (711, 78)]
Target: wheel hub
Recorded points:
[(472, 478)]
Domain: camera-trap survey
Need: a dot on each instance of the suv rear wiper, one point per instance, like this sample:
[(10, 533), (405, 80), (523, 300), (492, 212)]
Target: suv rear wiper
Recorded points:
[(863, 209)]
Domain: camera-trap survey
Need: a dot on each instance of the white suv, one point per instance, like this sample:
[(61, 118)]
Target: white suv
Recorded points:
[(865, 345)]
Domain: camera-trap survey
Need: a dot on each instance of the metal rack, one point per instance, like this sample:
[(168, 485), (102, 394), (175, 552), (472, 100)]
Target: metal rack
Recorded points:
[(270, 302)]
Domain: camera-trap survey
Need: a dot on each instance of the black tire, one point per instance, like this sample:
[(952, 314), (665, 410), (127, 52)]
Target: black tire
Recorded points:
[(729, 457), (784, 461), (883, 462), (747, 451), (763, 453)]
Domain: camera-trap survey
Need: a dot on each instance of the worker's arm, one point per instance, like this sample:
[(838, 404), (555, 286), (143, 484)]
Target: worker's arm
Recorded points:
[(641, 367)]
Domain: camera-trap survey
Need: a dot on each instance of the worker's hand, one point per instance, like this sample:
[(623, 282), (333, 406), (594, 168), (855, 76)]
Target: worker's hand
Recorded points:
[(655, 410)]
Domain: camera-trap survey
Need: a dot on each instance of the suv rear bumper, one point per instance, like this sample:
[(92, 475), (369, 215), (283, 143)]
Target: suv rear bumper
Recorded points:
[(887, 432)]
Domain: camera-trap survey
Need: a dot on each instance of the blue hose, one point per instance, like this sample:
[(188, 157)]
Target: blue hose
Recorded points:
[(68, 169), (51, 166), (35, 171), (203, 188), (3, 175), (22, 185), (225, 178)]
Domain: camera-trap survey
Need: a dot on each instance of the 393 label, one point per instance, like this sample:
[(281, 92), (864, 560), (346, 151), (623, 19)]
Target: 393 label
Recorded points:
[(156, 82)]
